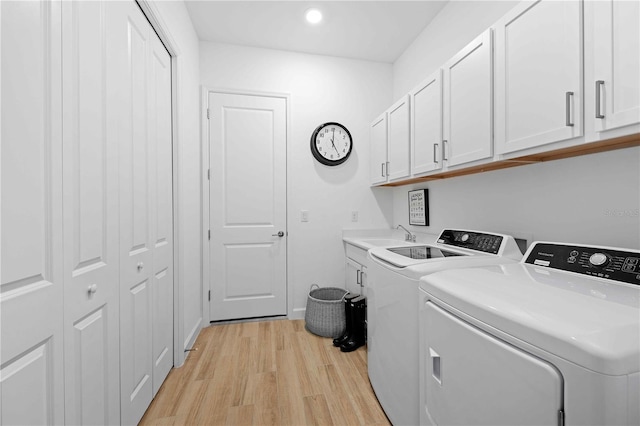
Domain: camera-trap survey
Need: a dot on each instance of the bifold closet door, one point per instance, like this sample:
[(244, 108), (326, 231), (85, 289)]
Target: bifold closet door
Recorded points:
[(90, 194), (31, 277), (145, 194)]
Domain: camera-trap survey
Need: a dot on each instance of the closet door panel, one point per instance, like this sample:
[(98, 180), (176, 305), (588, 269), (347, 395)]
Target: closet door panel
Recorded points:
[(162, 218), (31, 288), (136, 255), (90, 218)]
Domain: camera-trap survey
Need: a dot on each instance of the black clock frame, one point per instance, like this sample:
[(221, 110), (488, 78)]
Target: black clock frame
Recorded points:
[(320, 157)]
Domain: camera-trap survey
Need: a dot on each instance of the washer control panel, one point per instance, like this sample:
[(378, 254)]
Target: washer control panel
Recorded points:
[(603, 262), (486, 243)]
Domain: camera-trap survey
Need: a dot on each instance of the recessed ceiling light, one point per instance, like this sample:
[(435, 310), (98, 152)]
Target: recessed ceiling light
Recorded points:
[(313, 16)]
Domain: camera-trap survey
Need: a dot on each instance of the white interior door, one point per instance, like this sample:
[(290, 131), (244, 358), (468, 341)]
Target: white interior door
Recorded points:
[(247, 140), (31, 289), (146, 246), (92, 394)]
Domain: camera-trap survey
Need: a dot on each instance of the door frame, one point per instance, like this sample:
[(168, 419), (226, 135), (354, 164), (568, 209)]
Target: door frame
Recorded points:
[(206, 264), (153, 15)]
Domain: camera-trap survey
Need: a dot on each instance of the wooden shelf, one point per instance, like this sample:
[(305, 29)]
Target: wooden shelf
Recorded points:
[(574, 151)]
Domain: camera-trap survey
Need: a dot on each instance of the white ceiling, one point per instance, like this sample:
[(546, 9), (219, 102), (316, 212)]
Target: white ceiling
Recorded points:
[(369, 30)]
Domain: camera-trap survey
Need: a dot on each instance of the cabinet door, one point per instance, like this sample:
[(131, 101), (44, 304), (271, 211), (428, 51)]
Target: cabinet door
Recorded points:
[(353, 277), (399, 142), (468, 108), (538, 75), (31, 278), (616, 38), (378, 150), (90, 216), (426, 125)]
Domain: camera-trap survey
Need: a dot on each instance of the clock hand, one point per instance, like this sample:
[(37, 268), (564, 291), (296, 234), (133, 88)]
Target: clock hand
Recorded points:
[(334, 145)]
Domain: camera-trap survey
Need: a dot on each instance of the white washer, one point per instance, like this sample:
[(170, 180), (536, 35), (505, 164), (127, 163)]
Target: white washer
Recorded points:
[(392, 312), (553, 340)]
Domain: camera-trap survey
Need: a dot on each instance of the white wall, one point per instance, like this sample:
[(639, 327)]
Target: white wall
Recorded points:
[(322, 89), (177, 22), (592, 199)]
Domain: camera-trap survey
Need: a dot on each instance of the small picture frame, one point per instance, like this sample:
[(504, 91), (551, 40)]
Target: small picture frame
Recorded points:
[(419, 207)]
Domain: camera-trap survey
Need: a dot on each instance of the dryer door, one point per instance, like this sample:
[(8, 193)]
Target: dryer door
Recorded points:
[(472, 377)]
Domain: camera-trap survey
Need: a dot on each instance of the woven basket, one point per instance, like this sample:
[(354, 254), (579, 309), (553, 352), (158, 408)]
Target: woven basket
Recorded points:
[(325, 311)]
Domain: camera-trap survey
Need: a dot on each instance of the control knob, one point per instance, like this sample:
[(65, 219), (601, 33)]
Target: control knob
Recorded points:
[(599, 259), (464, 238)]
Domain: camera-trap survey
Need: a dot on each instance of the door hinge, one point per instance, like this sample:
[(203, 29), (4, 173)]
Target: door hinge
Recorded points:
[(208, 114), (208, 174), (209, 295), (560, 418), (209, 234)]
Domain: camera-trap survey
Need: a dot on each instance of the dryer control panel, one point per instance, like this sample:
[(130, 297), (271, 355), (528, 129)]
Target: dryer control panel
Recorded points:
[(603, 262), (479, 241)]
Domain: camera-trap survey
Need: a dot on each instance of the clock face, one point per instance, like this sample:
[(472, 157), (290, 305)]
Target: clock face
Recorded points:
[(331, 144)]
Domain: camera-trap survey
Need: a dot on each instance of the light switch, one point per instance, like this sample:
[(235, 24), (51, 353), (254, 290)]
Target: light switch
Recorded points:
[(304, 215)]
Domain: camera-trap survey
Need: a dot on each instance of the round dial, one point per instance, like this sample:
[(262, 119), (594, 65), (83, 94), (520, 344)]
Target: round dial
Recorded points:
[(331, 144), (599, 259)]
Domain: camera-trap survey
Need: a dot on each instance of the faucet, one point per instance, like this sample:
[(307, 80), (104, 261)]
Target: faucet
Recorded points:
[(408, 236)]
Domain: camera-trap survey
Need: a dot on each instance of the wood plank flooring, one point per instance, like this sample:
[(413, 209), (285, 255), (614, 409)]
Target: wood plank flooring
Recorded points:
[(267, 373)]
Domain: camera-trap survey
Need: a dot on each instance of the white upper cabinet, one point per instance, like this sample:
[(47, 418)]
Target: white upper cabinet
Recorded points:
[(426, 125), (378, 150), (468, 110), (538, 75), (616, 64), (399, 141)]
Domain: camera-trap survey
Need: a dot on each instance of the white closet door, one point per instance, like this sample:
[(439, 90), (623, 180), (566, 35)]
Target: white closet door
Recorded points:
[(162, 219), (136, 242), (31, 290), (92, 394), (146, 220)]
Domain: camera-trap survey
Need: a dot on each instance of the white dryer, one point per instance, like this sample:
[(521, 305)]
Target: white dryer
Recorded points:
[(553, 340), (392, 311)]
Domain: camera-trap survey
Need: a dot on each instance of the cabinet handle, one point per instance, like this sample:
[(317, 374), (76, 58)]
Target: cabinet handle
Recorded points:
[(382, 169), (599, 86), (568, 99), (435, 157), (388, 163), (444, 150), (359, 277)]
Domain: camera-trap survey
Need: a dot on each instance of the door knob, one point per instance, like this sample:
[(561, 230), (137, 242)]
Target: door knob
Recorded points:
[(140, 266), (279, 234), (92, 289)]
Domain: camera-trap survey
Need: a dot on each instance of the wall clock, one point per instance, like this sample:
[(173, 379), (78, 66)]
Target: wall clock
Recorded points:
[(331, 144)]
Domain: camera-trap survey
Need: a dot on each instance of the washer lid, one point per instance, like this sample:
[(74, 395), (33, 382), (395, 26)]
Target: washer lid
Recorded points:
[(588, 321)]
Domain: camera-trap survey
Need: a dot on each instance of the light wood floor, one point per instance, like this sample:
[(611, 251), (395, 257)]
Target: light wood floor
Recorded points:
[(267, 373)]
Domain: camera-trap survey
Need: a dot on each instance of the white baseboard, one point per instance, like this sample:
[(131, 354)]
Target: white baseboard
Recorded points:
[(298, 313)]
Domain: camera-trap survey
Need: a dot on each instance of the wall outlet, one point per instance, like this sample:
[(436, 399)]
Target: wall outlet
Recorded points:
[(354, 216), (304, 215)]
